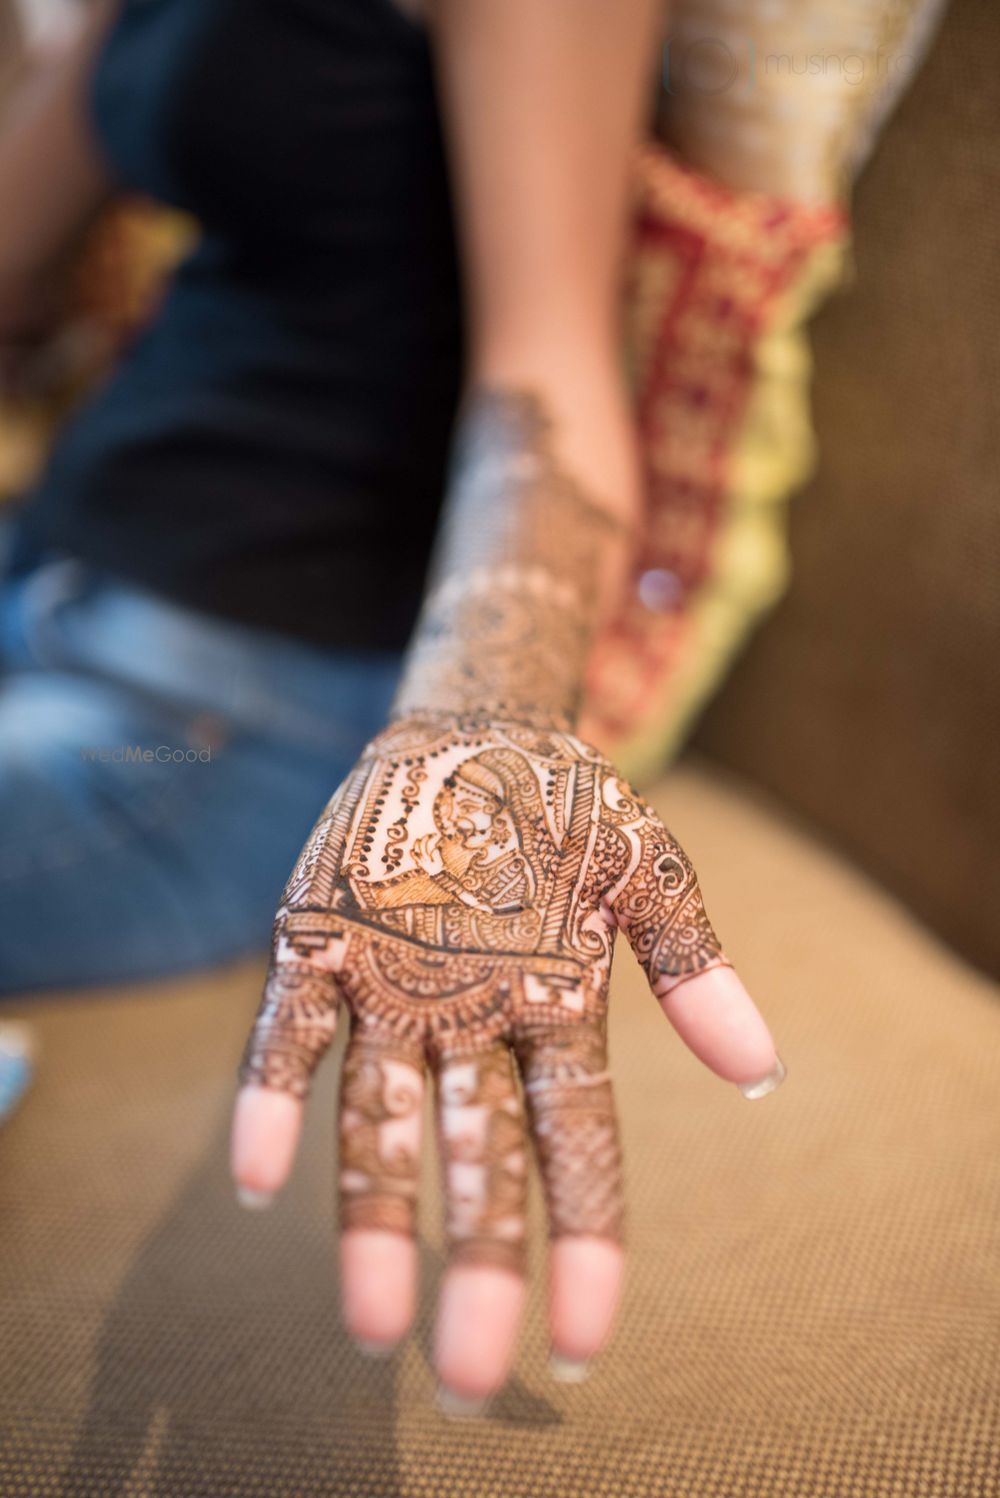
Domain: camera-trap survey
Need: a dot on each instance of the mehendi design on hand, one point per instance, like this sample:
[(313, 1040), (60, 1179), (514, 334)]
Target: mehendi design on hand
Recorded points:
[(510, 608), (498, 940), (461, 892)]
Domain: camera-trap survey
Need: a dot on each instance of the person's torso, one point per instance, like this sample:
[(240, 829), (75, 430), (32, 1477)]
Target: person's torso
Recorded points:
[(296, 130), (291, 401)]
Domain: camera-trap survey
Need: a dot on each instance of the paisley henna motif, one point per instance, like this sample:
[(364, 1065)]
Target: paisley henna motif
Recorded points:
[(460, 894)]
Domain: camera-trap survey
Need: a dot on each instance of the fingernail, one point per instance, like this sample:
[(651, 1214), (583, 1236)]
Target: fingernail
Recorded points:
[(568, 1370), (459, 1406), (254, 1201), (374, 1349), (766, 1084)]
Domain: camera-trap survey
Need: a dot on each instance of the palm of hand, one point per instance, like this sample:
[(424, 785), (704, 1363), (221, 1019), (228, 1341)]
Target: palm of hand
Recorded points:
[(460, 895)]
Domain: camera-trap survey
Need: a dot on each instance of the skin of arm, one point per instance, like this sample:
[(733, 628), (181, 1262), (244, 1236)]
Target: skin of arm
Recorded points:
[(53, 181), (544, 105), (460, 895)]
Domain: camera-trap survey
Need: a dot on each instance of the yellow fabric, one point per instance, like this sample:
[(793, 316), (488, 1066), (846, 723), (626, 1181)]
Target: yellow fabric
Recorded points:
[(780, 102), (774, 455), (121, 271), (721, 284)]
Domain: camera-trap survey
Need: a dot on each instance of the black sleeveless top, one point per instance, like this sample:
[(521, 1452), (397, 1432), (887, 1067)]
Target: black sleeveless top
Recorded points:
[(273, 446)]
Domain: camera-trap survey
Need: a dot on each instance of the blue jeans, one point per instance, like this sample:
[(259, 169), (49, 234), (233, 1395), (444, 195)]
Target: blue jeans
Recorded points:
[(159, 772)]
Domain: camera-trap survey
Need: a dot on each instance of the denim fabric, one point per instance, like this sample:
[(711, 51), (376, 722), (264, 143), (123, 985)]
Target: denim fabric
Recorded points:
[(159, 771)]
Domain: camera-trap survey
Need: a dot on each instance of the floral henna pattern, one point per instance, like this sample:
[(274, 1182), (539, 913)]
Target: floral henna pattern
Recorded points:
[(461, 892), (658, 902)]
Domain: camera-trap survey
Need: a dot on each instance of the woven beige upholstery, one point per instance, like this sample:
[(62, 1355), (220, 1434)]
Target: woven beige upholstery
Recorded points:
[(813, 1307)]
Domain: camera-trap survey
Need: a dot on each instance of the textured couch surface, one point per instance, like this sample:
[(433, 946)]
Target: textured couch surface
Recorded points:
[(813, 1304)]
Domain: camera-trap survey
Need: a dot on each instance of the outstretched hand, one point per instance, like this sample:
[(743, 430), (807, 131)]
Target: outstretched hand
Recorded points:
[(456, 905)]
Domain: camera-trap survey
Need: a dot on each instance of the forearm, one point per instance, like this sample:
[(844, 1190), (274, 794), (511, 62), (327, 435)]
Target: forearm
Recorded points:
[(527, 559), (544, 105)]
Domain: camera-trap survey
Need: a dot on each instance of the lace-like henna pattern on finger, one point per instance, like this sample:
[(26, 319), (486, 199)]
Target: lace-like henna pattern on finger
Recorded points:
[(293, 1029), (572, 1113), (382, 1090), (484, 1159)]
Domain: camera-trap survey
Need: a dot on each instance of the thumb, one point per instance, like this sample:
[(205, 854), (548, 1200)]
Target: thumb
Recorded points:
[(660, 908)]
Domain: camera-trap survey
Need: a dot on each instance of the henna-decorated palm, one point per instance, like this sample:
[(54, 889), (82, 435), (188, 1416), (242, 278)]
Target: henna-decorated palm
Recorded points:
[(459, 899)]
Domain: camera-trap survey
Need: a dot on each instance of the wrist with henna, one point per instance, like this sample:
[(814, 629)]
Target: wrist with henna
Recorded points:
[(512, 599)]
